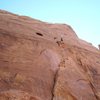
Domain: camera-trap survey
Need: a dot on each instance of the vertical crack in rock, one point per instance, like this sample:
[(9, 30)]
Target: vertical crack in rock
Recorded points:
[(54, 83), (56, 79), (61, 64)]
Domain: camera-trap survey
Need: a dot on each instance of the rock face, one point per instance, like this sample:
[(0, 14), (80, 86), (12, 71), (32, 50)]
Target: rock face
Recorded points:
[(42, 61)]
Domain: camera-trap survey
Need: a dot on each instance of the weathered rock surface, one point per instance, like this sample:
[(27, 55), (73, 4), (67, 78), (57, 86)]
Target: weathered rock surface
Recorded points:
[(42, 61)]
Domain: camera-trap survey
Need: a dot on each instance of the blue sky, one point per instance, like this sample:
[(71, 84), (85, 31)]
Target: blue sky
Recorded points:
[(82, 15)]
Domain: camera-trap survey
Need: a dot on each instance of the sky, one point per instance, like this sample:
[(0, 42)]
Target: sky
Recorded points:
[(82, 15)]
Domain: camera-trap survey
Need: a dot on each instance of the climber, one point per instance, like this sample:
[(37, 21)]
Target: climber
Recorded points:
[(60, 43)]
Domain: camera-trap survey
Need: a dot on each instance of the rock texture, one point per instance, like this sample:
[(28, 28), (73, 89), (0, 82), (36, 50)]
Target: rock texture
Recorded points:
[(43, 61)]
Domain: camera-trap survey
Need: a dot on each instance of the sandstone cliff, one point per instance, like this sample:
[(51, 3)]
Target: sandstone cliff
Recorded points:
[(43, 61)]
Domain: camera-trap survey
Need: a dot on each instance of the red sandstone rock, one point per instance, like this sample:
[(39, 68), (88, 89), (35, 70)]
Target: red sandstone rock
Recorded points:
[(42, 61)]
